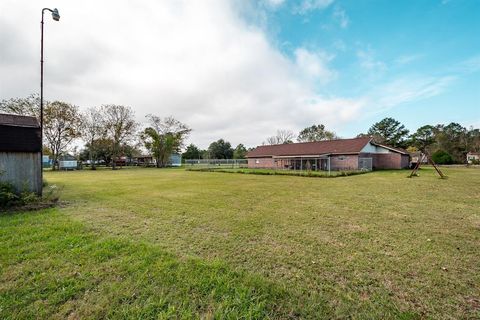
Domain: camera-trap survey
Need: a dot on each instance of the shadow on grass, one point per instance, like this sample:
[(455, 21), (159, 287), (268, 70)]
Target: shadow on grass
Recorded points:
[(54, 267)]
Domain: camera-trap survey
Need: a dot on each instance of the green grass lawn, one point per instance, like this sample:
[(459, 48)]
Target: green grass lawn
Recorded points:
[(154, 243)]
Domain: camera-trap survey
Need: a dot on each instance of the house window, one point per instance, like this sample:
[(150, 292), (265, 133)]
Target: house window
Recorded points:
[(342, 158), (257, 161)]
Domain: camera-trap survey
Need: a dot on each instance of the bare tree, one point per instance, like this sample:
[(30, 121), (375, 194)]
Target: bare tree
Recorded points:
[(163, 137), (120, 126), (93, 128), (282, 137), (61, 125)]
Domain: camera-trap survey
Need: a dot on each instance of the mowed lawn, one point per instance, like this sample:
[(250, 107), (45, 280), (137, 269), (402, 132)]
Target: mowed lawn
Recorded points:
[(168, 243)]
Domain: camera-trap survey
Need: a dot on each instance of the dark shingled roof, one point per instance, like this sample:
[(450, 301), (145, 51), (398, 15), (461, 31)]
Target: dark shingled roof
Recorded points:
[(19, 121), (19, 134), (340, 146)]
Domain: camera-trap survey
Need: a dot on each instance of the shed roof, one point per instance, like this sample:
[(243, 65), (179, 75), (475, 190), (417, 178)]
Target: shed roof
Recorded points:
[(339, 146), (19, 134), (18, 121)]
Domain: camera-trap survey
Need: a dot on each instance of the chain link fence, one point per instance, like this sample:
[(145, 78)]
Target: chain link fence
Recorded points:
[(365, 164), (216, 163)]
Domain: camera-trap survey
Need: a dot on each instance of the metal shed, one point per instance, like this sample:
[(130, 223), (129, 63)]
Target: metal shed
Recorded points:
[(20, 152), (67, 162), (175, 160)]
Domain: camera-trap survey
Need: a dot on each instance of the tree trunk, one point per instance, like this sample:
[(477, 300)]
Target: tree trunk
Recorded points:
[(55, 161), (92, 163), (114, 157)]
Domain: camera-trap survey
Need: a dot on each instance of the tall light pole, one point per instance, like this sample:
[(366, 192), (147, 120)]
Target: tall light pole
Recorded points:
[(56, 17)]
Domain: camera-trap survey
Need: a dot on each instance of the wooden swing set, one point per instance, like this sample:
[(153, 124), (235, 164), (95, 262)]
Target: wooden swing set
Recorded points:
[(429, 160)]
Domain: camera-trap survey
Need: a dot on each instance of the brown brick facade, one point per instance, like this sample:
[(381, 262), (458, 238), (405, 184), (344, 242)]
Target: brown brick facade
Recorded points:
[(388, 160), (341, 154), (344, 162), (341, 162), (260, 163)]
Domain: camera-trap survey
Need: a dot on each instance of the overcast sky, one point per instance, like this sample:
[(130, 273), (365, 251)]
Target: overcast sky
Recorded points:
[(240, 70)]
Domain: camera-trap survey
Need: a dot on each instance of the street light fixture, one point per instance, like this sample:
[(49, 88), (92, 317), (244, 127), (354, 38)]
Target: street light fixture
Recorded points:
[(56, 17)]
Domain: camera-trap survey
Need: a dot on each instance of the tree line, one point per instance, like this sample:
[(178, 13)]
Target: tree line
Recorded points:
[(446, 143), (108, 131), (219, 149)]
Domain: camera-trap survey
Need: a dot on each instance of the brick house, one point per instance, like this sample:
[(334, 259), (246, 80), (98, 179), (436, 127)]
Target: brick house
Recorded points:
[(340, 154)]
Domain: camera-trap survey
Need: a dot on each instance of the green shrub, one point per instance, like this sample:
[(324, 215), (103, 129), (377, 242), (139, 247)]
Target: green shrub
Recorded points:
[(442, 157), (51, 193), (474, 161), (27, 197), (8, 195)]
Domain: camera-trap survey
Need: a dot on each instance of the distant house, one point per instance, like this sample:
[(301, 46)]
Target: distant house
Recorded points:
[(144, 160), (20, 152), (120, 161), (67, 162), (340, 154), (473, 157), (416, 157)]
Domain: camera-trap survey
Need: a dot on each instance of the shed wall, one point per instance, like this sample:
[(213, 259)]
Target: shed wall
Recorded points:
[(20, 139), (23, 169)]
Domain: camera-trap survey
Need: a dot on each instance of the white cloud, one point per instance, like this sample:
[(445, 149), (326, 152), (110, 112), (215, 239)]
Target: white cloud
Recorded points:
[(309, 5), (198, 61), (341, 17), (314, 65)]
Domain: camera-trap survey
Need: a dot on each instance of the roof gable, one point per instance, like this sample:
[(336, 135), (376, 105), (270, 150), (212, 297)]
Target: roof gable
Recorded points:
[(394, 149)]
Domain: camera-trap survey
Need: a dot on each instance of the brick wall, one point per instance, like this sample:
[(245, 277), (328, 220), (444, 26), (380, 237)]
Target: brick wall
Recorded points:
[(387, 160), (348, 162), (345, 162), (260, 163)]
